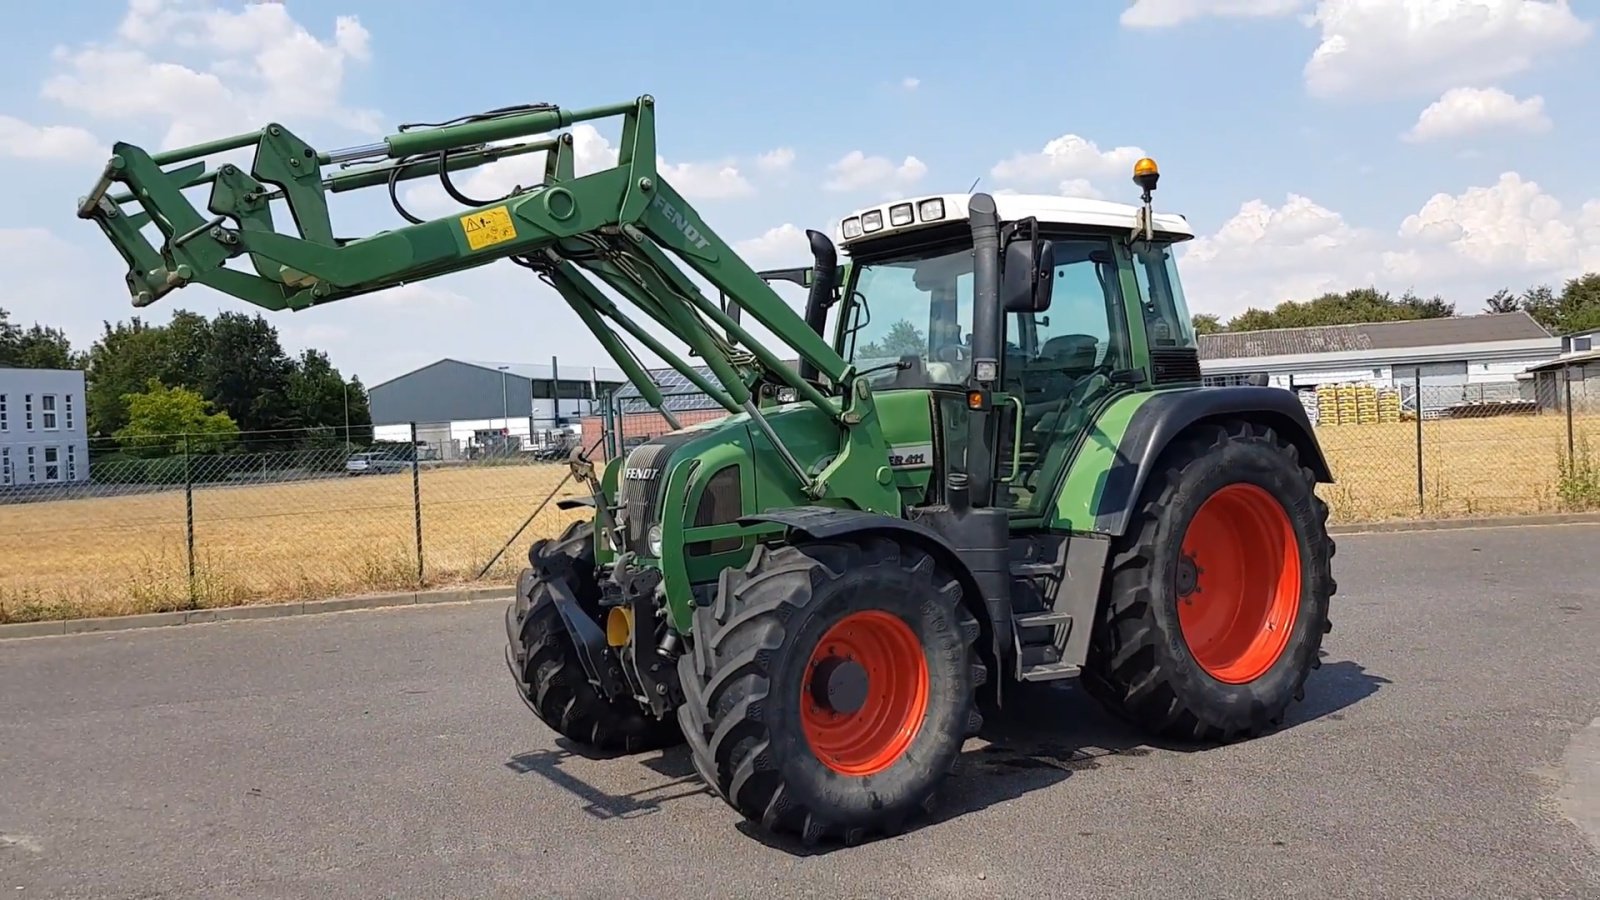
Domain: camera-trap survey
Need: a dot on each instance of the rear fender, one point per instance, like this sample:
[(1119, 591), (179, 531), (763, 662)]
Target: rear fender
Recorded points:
[(1167, 415)]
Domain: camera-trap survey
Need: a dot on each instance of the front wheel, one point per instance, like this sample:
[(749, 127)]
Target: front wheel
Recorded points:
[(1217, 601), (830, 687)]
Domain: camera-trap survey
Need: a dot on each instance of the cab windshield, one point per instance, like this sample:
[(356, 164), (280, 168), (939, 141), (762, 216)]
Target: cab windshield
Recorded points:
[(915, 310)]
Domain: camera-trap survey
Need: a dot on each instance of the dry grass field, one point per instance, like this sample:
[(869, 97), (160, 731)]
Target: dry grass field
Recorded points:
[(340, 536)]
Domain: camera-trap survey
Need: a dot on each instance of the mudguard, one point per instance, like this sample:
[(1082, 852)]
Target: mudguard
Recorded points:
[(1166, 414)]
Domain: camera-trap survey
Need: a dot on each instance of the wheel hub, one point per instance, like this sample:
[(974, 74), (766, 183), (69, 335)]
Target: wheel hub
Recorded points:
[(839, 685), (1188, 577)]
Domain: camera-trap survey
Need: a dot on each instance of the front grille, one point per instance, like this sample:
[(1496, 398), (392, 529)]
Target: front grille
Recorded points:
[(1175, 365)]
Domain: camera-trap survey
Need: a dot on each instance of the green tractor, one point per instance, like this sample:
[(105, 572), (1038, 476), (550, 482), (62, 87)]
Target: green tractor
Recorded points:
[(994, 463)]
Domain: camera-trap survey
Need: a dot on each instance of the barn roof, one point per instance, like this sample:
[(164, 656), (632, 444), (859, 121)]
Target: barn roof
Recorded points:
[(1478, 329)]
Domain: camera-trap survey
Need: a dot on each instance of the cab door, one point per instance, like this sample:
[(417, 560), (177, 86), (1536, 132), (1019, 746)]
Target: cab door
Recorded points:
[(1058, 369)]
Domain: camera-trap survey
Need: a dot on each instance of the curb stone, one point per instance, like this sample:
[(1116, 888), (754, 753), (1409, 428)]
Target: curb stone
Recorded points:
[(1409, 525), (97, 624)]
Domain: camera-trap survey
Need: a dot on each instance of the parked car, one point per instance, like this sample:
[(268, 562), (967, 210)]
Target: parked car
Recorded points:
[(375, 463)]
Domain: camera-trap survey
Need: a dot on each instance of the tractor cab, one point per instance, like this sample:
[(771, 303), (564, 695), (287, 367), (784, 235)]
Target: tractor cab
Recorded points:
[(1117, 321)]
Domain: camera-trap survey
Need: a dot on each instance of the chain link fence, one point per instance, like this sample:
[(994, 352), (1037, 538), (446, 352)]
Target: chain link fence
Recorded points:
[(1465, 450), (193, 521)]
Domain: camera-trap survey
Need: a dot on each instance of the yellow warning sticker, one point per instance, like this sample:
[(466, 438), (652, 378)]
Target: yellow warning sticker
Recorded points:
[(489, 227)]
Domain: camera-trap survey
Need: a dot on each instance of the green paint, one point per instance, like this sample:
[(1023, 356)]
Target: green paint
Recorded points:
[(1084, 487)]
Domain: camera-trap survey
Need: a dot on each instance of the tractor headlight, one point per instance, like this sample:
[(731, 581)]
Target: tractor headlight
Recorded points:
[(900, 215), (852, 228), (872, 221), (931, 210), (652, 540)]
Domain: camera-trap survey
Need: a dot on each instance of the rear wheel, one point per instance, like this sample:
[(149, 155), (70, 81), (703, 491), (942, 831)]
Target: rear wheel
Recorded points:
[(544, 659), (830, 687), (1218, 596)]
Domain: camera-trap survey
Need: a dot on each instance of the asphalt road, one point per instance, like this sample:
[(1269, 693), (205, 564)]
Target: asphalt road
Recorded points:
[(1445, 749)]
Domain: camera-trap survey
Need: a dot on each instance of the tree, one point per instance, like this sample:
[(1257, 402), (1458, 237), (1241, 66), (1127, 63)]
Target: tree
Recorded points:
[(1580, 304), (1207, 323), (1348, 308), (121, 363), (1503, 301), (39, 347), (166, 420), (1541, 303), (903, 339)]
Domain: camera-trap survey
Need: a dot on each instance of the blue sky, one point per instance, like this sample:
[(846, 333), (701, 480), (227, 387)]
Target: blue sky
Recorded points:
[(1440, 145)]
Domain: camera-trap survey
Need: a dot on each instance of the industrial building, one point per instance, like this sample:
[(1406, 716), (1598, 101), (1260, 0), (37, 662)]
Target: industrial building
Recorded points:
[(44, 438), (468, 408)]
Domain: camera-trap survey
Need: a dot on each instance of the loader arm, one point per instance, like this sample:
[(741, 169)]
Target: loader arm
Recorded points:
[(626, 226)]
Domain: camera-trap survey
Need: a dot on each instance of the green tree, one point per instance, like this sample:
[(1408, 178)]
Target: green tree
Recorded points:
[(1347, 308), (122, 362), (1541, 303), (166, 420), (37, 347), (1502, 301), (1579, 307), (1207, 323), (903, 339)]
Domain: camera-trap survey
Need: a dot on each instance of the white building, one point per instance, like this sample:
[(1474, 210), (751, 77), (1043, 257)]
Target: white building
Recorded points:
[(43, 436), (1460, 359)]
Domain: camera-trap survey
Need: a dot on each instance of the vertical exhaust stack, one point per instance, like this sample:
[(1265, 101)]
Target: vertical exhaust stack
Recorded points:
[(824, 272), (984, 220)]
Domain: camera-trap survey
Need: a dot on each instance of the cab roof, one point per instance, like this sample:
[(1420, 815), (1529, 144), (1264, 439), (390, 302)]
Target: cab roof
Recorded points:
[(1049, 209)]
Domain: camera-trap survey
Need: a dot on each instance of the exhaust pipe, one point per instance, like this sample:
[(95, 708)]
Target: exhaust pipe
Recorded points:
[(824, 272)]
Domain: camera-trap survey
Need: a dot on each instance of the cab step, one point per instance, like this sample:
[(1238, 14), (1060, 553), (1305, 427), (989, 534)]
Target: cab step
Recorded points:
[(1039, 659)]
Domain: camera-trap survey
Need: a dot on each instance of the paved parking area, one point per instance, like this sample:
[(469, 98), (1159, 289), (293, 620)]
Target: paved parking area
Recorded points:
[(1445, 749)]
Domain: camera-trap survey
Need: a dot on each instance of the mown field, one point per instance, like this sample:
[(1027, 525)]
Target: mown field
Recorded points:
[(340, 536)]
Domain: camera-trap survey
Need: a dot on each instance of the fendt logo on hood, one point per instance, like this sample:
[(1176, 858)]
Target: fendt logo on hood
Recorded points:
[(636, 473)]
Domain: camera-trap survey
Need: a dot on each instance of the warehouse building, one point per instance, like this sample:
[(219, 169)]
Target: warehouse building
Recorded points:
[(44, 438), (1457, 360), (469, 408)]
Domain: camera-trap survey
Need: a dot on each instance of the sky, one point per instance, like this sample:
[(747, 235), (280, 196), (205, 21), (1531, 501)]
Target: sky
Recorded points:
[(1441, 146)]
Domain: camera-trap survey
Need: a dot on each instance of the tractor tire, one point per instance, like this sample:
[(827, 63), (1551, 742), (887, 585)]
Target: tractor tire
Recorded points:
[(830, 687), (544, 660), (1217, 600)]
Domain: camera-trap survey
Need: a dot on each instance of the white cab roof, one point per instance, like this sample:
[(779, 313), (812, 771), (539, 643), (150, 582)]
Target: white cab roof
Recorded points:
[(1049, 209)]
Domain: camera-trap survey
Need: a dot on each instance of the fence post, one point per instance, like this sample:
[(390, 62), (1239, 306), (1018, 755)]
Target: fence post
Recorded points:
[(1422, 506), (1566, 379), (188, 515), (416, 499)]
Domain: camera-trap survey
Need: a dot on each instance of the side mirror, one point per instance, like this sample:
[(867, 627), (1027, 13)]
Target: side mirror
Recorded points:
[(1029, 275)]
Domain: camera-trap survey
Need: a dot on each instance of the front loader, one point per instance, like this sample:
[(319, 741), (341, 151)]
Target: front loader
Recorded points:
[(995, 462)]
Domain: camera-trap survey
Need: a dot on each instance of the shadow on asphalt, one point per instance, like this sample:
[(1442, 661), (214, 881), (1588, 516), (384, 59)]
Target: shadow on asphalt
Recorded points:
[(1045, 734)]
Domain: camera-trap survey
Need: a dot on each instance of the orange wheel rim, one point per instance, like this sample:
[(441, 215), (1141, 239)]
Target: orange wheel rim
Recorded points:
[(865, 693), (1239, 583)]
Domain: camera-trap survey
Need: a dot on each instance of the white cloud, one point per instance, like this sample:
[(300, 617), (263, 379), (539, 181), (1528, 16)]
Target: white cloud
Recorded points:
[(65, 143), (856, 171), (1464, 111), (1081, 187), (1167, 13), (199, 72), (1507, 232), (591, 152), (705, 181), (776, 160), (1387, 47), (1071, 161), (910, 83), (784, 245)]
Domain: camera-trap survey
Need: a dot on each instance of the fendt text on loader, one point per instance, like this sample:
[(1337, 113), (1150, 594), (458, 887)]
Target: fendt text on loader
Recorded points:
[(994, 463)]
